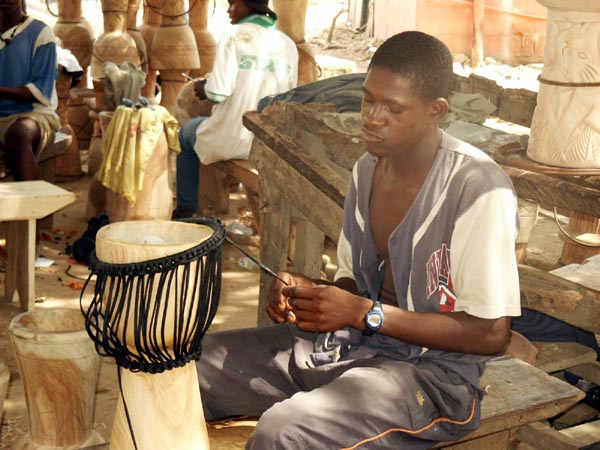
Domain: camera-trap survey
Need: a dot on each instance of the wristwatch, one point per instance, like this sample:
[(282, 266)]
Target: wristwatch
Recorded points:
[(374, 319)]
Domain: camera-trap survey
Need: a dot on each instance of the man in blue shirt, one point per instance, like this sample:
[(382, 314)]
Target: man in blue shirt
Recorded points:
[(27, 88)]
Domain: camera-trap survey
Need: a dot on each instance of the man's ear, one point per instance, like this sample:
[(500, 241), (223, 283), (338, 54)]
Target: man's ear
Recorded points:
[(439, 109)]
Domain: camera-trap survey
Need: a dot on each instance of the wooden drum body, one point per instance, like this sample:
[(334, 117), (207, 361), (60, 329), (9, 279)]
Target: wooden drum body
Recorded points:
[(173, 273), (59, 368), (136, 169)]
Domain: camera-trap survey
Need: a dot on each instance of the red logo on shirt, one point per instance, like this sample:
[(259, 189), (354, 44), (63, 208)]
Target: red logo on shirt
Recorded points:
[(439, 279)]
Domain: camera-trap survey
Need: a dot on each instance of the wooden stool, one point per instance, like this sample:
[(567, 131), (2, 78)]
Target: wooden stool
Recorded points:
[(21, 203), (215, 180)]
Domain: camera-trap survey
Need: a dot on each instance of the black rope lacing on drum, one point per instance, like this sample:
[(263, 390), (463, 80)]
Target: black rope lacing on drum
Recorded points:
[(128, 314)]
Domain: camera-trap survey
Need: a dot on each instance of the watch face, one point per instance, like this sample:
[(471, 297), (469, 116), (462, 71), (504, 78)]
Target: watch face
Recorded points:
[(374, 320)]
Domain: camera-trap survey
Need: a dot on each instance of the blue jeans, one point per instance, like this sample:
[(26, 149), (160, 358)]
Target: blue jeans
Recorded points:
[(188, 170)]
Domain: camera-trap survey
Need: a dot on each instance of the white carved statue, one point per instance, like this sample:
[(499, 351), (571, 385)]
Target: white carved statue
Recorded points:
[(565, 129)]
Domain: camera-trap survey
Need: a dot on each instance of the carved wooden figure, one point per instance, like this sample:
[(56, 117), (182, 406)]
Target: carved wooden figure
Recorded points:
[(291, 19), (114, 45), (565, 129), (173, 50), (207, 46), (151, 20)]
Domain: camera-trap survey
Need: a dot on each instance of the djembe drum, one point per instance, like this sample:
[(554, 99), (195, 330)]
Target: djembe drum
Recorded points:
[(156, 293)]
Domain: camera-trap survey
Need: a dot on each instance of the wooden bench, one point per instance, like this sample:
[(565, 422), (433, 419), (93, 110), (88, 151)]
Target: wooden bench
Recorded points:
[(21, 204), (215, 181)]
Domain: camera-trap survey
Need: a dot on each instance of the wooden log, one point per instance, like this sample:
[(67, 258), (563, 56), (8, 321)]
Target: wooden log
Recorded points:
[(560, 298)]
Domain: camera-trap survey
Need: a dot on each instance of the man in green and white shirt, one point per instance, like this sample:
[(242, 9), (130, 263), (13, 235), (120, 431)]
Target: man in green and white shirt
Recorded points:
[(253, 60)]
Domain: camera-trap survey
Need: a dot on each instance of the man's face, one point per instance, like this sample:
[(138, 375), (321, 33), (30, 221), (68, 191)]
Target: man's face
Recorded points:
[(8, 7), (237, 10), (395, 117)]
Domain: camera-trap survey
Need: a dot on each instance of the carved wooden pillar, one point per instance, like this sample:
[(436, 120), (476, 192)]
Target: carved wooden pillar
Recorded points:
[(566, 121), (114, 45), (291, 19), (564, 129), (173, 51), (136, 34), (207, 46), (75, 33), (151, 20)]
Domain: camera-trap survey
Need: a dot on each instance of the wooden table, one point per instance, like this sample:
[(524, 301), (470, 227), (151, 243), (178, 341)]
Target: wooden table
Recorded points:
[(21, 204)]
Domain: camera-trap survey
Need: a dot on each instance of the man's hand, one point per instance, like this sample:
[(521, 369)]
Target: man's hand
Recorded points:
[(199, 88), (278, 307), (326, 308)]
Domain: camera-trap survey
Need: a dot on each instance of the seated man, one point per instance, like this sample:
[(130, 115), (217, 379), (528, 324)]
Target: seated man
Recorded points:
[(253, 60), (390, 355), (27, 88)]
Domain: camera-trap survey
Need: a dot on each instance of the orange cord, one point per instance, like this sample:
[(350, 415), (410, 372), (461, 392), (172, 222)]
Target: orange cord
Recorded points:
[(404, 430)]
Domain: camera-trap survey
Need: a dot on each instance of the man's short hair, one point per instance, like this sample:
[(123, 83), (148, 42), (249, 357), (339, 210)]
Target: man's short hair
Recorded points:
[(421, 58)]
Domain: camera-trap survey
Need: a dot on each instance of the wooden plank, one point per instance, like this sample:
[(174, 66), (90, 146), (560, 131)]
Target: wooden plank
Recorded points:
[(242, 170), (542, 436), (589, 372), (21, 200), (309, 244), (275, 213), (518, 393), (213, 189), (577, 414), (560, 298), (503, 440), (584, 434), (553, 191), (558, 356), (307, 197), (318, 173)]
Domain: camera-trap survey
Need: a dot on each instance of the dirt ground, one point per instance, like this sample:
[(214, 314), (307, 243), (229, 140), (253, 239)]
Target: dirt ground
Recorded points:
[(60, 284)]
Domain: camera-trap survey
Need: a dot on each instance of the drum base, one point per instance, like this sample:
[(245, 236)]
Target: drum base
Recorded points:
[(25, 443)]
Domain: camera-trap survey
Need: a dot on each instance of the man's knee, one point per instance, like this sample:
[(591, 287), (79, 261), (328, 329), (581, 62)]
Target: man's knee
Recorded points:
[(24, 133), (281, 428)]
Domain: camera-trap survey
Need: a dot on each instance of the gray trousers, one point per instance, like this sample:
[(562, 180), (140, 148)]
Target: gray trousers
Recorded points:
[(369, 403)]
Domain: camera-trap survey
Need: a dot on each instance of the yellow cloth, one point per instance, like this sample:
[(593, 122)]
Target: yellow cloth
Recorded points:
[(128, 144)]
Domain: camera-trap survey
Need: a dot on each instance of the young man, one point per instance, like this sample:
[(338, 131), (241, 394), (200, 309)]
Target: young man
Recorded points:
[(390, 355), (253, 60), (27, 88)]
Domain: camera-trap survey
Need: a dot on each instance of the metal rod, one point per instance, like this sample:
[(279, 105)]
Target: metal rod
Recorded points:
[(256, 261)]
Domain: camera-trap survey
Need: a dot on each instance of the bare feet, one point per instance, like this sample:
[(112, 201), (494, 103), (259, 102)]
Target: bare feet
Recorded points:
[(520, 347)]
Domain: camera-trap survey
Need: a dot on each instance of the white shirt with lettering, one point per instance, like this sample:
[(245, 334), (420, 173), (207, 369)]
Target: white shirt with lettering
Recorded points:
[(253, 60)]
